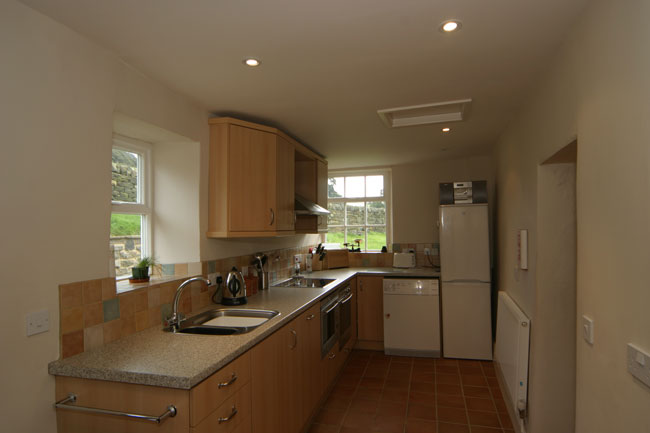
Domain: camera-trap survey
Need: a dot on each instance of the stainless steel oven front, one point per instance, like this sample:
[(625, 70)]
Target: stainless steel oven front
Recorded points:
[(345, 315), (329, 322)]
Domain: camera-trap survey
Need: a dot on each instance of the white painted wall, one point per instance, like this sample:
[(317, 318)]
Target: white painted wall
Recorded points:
[(58, 95), (597, 88)]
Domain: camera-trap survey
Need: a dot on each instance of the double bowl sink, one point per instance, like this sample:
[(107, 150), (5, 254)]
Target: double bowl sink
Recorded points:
[(225, 321)]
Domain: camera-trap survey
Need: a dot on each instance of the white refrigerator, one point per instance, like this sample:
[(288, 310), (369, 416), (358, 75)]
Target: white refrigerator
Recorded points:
[(465, 281)]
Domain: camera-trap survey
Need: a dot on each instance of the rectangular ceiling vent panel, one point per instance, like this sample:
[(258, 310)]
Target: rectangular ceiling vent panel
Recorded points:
[(425, 114)]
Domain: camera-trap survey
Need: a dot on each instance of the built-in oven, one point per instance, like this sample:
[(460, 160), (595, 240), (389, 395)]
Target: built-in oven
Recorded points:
[(329, 322), (345, 315)]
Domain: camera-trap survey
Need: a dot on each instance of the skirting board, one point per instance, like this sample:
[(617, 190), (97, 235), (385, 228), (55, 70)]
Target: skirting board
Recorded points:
[(369, 345), (416, 353), (512, 411)]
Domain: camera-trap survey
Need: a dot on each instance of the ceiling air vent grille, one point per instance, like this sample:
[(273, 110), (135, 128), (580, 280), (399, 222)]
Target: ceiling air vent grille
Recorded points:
[(425, 114)]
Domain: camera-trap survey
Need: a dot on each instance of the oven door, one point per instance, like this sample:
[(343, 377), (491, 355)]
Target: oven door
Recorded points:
[(345, 316), (329, 323)]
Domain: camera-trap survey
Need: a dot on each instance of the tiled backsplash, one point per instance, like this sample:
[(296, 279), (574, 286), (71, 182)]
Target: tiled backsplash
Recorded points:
[(92, 313)]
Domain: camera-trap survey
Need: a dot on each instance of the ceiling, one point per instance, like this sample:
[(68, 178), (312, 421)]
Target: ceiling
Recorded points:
[(328, 66)]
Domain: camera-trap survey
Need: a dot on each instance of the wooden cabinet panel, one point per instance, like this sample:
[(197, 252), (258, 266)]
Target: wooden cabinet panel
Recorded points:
[(251, 179), (321, 192), (212, 392), (124, 397), (267, 385), (354, 332), (232, 413), (285, 187), (370, 309), (312, 374)]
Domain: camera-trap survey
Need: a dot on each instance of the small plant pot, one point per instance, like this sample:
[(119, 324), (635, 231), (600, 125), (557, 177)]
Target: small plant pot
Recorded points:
[(140, 274)]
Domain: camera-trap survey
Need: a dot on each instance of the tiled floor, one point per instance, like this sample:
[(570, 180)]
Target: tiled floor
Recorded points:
[(392, 394)]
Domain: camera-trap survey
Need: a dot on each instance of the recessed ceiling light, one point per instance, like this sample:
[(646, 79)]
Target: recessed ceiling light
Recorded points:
[(251, 62), (450, 26), (446, 129)]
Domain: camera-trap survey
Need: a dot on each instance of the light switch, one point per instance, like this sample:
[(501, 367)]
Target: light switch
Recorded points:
[(588, 329), (637, 363), (38, 322)]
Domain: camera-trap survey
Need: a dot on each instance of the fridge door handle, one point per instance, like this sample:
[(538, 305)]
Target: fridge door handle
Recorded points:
[(466, 281)]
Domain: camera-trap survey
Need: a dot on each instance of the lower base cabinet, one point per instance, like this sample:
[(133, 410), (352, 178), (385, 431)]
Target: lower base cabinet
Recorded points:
[(275, 387)]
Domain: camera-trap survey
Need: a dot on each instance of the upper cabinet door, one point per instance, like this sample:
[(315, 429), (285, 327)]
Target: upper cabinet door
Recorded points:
[(285, 187), (252, 159), (321, 195)]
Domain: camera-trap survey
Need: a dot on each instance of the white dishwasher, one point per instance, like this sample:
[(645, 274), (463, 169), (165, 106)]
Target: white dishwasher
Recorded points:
[(412, 317)]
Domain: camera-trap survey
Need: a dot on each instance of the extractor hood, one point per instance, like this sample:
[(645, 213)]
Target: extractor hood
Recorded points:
[(308, 207)]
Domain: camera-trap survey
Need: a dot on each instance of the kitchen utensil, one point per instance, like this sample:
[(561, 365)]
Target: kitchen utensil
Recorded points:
[(263, 276)]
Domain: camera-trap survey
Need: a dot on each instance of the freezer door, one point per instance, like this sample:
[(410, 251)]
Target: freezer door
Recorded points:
[(466, 320), (464, 243)]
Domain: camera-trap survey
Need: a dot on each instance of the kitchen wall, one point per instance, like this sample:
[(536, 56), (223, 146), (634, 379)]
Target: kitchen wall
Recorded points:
[(59, 95), (416, 194), (596, 89)]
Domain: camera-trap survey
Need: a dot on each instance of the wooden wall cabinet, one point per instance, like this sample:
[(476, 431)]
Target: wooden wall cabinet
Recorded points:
[(311, 183), (251, 180), (370, 309)]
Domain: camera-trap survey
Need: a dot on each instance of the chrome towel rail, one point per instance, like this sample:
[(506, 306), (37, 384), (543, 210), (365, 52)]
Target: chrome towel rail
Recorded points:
[(72, 398)]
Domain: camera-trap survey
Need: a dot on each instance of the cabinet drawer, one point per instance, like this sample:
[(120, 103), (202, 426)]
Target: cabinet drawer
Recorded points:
[(212, 392), (239, 422)]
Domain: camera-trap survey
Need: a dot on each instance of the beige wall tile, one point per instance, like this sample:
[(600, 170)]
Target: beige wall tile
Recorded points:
[(141, 300), (92, 291), (71, 295), (72, 320), (127, 304), (155, 318), (153, 297), (72, 343), (112, 330), (180, 269), (141, 320), (108, 288), (128, 325), (93, 314), (93, 337)]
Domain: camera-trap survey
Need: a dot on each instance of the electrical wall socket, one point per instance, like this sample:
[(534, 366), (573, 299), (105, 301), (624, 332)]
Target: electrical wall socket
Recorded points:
[(296, 258), (213, 278), (38, 322), (638, 364), (588, 329)]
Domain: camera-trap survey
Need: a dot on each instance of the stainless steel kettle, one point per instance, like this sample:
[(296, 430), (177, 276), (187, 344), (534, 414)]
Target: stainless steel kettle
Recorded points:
[(235, 291)]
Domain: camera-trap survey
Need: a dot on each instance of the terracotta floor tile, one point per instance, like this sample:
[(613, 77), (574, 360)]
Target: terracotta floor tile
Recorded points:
[(450, 400), (369, 393), (336, 402), (442, 388), (479, 429), (423, 376), (484, 404), (322, 428), (372, 382), (470, 369), (392, 408), (505, 421), (401, 360), (374, 372), (395, 395), (422, 412), (476, 391), (400, 368), (424, 368), (389, 424), (452, 414), (423, 386), (485, 419), (492, 381), (344, 391), (422, 398), (444, 427), (446, 369), (358, 420), (420, 426), (496, 392), (364, 405), (450, 379), (473, 380), (500, 405), (331, 416), (446, 361), (345, 429)]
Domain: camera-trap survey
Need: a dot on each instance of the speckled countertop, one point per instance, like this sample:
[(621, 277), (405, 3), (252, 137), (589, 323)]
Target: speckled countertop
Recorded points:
[(158, 358)]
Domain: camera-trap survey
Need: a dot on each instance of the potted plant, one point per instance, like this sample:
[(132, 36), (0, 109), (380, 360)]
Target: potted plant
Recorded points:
[(141, 270)]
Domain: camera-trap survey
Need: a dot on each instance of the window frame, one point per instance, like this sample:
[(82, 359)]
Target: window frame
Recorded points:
[(387, 197), (145, 191)]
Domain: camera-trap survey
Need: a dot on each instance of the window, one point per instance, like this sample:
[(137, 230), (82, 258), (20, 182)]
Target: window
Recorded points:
[(130, 237), (360, 212)]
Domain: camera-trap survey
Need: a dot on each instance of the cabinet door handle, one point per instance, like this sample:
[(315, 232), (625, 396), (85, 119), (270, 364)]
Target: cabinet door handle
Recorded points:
[(229, 417), (272, 217), (295, 339), (233, 378), (311, 317), (331, 355)]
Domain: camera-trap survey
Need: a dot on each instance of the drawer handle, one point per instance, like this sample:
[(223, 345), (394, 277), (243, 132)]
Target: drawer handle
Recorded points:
[(332, 356), (295, 339), (232, 380), (311, 317), (229, 417), (272, 217), (72, 398)]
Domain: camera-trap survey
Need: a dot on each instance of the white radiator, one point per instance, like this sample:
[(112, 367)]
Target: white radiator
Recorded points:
[(511, 353)]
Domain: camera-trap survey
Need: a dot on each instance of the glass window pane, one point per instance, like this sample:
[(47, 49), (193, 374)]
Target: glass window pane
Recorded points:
[(355, 213), (335, 187), (355, 233), (126, 238), (337, 214), (355, 186), (374, 186), (376, 238), (335, 235), (124, 176), (376, 211)]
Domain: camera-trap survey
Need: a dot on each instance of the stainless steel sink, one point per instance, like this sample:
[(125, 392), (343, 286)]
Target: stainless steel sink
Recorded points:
[(225, 321), (304, 282)]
